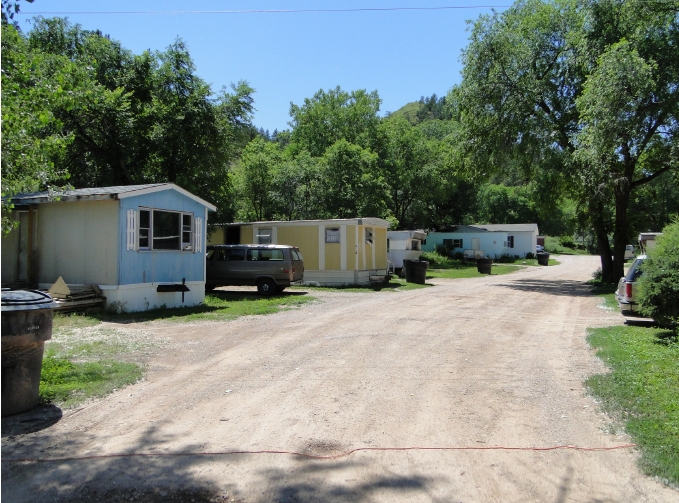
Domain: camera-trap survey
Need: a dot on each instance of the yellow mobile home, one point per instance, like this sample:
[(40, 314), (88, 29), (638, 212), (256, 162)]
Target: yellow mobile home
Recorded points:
[(335, 252)]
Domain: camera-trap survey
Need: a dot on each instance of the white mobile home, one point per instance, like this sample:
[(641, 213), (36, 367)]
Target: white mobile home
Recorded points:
[(491, 240), (403, 245)]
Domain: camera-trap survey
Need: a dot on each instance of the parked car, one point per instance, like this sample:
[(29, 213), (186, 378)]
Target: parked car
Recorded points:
[(271, 268), (539, 249), (629, 252), (626, 287)]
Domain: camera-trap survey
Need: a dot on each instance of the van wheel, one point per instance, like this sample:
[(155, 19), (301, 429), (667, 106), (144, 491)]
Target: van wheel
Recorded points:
[(266, 286)]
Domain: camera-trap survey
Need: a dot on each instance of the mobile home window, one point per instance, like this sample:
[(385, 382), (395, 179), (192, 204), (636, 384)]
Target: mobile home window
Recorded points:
[(165, 230), (263, 236), (144, 229), (187, 231), (332, 235), (510, 242), (457, 243), (368, 235)]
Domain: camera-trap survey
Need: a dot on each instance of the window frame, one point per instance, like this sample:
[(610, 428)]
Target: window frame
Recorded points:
[(184, 246), (369, 235), (260, 235), (332, 235)]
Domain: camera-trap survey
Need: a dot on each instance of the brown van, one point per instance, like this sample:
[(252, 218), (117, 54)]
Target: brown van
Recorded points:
[(271, 268)]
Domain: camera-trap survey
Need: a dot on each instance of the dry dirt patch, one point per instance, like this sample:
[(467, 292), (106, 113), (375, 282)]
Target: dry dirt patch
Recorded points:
[(480, 362)]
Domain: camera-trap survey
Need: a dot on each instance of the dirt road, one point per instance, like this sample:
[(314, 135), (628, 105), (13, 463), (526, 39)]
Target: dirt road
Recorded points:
[(482, 362)]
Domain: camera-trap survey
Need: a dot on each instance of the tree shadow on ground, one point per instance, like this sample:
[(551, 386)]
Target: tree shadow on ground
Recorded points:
[(551, 287), (54, 466)]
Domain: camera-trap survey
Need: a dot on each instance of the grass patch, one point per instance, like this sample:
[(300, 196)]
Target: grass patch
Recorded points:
[(218, 306), (69, 383), (394, 285), (82, 360), (641, 392), (606, 291)]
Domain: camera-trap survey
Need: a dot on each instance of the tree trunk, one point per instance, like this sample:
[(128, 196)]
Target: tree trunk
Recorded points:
[(596, 209), (621, 229)]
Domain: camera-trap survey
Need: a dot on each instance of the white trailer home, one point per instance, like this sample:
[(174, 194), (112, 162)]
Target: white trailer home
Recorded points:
[(403, 245), (486, 240)]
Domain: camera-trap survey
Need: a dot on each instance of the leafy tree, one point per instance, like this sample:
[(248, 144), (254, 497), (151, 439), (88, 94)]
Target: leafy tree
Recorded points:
[(351, 184), (33, 139), (433, 108), (9, 9), (538, 83), (255, 178), (406, 159), (335, 115), (659, 284), (145, 118), (296, 188), (503, 204)]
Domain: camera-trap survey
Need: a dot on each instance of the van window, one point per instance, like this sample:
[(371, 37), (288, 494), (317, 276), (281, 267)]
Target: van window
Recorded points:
[(230, 254), (265, 255), (296, 255), (209, 254)]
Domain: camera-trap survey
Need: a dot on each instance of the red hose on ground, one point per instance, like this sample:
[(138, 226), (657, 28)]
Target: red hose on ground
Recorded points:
[(315, 456)]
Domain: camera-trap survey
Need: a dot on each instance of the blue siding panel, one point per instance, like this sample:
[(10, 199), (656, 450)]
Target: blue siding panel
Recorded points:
[(160, 266)]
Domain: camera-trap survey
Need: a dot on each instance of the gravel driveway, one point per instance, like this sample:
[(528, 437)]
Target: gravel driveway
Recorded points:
[(478, 363)]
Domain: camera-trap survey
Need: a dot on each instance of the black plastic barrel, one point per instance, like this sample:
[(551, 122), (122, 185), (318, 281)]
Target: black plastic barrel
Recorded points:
[(26, 325), (543, 258), (484, 265), (416, 271)]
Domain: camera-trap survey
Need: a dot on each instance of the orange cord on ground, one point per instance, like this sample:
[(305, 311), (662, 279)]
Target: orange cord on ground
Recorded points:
[(315, 456)]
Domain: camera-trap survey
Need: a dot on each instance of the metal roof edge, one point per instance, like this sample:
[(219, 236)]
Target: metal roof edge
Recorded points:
[(166, 186)]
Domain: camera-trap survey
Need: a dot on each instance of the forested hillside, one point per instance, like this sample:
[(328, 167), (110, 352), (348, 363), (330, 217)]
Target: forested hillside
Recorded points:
[(566, 116)]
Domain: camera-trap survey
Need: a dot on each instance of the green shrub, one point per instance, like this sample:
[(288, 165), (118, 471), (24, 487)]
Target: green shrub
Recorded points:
[(659, 283), (567, 241), (441, 250), (530, 256)]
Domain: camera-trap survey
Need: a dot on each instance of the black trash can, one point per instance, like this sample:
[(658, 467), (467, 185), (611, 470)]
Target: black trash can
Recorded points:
[(543, 258), (484, 265), (26, 325), (416, 271)]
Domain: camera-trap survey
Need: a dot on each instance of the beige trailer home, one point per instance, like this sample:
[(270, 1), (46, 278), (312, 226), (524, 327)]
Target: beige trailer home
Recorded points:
[(336, 252)]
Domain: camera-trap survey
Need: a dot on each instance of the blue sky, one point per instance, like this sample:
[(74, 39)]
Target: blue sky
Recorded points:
[(286, 57)]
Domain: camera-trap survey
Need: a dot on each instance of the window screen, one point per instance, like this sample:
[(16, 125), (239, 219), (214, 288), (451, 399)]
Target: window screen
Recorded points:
[(264, 236), (332, 235)]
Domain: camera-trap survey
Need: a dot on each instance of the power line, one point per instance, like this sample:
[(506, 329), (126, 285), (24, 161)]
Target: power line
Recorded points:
[(268, 11)]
